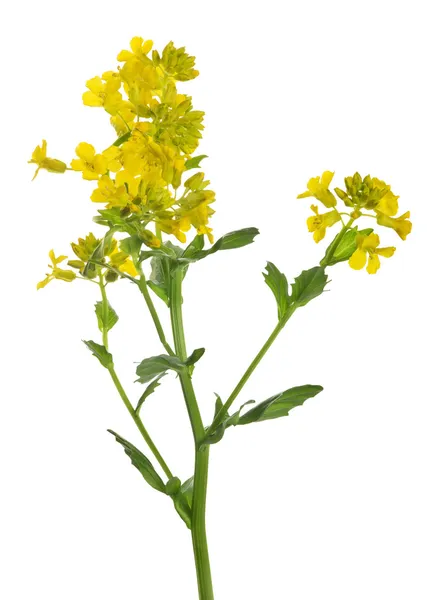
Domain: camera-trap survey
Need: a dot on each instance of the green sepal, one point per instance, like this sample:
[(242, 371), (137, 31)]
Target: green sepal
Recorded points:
[(308, 285), (112, 317), (278, 284), (101, 353), (141, 462), (102, 249)]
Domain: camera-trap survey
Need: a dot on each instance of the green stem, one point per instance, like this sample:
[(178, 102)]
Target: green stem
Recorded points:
[(136, 418), (198, 523), (142, 284), (258, 358)]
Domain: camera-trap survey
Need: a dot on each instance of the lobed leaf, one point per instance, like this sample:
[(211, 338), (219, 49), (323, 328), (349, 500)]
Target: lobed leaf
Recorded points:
[(308, 285), (111, 319), (101, 353)]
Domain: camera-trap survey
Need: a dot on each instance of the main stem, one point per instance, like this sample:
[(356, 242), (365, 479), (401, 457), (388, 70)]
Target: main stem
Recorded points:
[(198, 524)]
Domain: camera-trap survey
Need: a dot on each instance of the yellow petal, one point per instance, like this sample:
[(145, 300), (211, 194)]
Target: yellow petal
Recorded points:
[(85, 151), (95, 85), (326, 178), (77, 164), (358, 259), (42, 284), (370, 242), (124, 55), (373, 264), (386, 252), (136, 43), (91, 99)]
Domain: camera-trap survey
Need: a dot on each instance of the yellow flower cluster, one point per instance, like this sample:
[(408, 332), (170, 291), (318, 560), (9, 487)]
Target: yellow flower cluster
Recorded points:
[(141, 178), (367, 197)]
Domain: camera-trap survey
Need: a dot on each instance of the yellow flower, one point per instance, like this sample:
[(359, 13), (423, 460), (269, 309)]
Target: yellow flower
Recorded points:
[(39, 158), (113, 157), (109, 193), (104, 92), (367, 249), (318, 223), (91, 165), (57, 272), (401, 225), (175, 227), (139, 49), (319, 188), (121, 261)]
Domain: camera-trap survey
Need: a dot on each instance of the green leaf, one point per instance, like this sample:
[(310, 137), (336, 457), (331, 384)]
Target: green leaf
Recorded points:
[(195, 356), (280, 404), (235, 239), (141, 462), (229, 420), (101, 353), (132, 246), (346, 246), (308, 285), (278, 284), (149, 390), (159, 280), (111, 320), (196, 245), (156, 365), (194, 162)]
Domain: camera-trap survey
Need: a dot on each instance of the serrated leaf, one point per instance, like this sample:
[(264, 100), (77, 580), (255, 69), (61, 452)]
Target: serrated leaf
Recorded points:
[(278, 284), (101, 353), (194, 162), (111, 320), (150, 389), (141, 462), (346, 246), (280, 404), (150, 368), (308, 285), (230, 241), (156, 365)]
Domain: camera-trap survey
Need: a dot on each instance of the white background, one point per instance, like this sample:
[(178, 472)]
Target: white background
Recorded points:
[(328, 503)]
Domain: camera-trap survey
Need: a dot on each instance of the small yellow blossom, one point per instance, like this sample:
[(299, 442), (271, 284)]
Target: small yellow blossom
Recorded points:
[(40, 158), (319, 188), (104, 92), (367, 249), (57, 272), (91, 165), (113, 157), (121, 261), (317, 224), (109, 193), (139, 49), (401, 225)]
